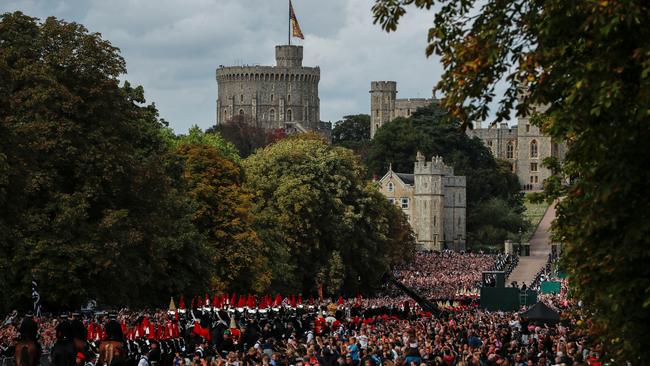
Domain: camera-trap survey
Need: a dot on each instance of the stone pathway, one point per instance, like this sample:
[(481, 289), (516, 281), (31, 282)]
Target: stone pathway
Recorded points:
[(540, 247)]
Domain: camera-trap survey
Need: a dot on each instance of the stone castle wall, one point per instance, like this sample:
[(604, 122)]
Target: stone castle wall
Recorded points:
[(385, 107), (271, 96), (512, 144), (406, 107)]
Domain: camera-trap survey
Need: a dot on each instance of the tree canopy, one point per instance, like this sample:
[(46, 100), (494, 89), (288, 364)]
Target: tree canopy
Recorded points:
[(195, 136), (353, 132), (85, 192), (585, 68), (316, 211), (222, 214), (245, 136)]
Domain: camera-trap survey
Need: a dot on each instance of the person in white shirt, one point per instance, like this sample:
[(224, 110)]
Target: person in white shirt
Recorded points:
[(144, 360)]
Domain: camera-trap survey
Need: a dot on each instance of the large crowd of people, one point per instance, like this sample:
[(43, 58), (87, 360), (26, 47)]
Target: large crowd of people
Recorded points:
[(450, 275), (382, 331)]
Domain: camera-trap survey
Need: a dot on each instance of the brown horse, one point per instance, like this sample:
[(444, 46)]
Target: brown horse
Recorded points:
[(27, 353), (110, 351)]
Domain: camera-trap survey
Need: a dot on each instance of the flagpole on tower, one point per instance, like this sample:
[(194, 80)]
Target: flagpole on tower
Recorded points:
[(289, 33)]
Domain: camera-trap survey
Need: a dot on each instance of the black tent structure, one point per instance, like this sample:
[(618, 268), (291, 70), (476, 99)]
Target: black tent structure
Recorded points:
[(541, 313)]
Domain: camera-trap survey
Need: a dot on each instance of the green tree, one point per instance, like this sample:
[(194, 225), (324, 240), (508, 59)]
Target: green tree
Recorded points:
[(588, 64), (493, 221), (398, 141), (195, 136), (353, 132), (245, 136), (87, 198), (311, 200), (222, 215)]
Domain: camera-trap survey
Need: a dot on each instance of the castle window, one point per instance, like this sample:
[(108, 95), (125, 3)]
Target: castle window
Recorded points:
[(533, 149), (289, 115), (510, 150), (532, 180), (390, 187), (434, 221), (527, 128), (241, 112), (533, 167), (271, 97), (225, 115), (405, 202), (272, 114), (241, 98), (536, 177), (289, 99), (391, 200), (408, 112), (489, 143)]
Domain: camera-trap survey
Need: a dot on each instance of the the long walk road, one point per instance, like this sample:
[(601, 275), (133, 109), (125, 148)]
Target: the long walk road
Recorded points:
[(540, 247)]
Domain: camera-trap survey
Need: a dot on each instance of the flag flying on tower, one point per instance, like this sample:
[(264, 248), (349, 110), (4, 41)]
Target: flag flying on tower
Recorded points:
[(295, 27)]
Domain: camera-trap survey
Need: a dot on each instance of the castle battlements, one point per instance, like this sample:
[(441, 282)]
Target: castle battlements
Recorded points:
[(434, 167), (385, 86), (267, 73)]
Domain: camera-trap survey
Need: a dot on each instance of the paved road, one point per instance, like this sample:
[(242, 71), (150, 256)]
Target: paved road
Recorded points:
[(540, 247)]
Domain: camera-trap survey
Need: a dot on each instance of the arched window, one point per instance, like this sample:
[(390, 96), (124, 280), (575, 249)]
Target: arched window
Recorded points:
[(533, 149), (391, 187), (510, 150), (289, 116), (225, 115), (271, 97), (241, 98), (272, 114), (289, 99), (241, 112)]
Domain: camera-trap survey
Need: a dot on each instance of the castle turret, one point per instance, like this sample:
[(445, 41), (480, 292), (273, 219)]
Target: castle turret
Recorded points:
[(429, 201), (288, 56), (382, 104)]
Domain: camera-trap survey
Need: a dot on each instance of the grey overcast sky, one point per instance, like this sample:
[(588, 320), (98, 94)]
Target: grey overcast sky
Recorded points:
[(172, 47)]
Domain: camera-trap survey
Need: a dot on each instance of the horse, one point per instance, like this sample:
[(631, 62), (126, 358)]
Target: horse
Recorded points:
[(112, 351), (28, 351)]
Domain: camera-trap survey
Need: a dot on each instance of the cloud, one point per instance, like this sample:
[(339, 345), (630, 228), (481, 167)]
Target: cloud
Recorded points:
[(173, 47)]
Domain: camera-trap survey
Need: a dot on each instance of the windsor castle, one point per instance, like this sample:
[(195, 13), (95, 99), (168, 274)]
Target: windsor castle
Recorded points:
[(285, 96), (522, 145)]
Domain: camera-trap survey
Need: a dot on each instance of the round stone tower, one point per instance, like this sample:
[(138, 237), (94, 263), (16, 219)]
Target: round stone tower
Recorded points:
[(282, 96)]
